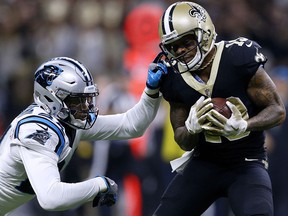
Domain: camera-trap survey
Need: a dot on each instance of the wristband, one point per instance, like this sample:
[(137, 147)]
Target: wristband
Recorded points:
[(149, 91)]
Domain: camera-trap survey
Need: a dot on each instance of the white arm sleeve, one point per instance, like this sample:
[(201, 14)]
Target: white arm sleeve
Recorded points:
[(130, 124), (52, 194)]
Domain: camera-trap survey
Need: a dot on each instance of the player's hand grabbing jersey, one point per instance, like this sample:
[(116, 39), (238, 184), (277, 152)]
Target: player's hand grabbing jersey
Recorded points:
[(36, 146)]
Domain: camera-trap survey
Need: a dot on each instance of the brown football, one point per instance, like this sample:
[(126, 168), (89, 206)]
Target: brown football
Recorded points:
[(221, 106)]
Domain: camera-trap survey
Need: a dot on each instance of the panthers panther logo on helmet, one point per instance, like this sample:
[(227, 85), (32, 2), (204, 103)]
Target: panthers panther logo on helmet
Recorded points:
[(66, 90), (46, 75)]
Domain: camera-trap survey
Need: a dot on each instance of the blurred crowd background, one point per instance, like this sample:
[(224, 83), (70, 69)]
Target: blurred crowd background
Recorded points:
[(116, 40)]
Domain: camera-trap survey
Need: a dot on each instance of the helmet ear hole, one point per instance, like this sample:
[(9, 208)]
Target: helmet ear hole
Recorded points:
[(48, 99), (63, 114)]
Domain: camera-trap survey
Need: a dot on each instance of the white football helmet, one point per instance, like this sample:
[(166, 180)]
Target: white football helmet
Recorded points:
[(182, 19), (65, 89)]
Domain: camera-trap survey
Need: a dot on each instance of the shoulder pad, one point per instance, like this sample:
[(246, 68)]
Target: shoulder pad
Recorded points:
[(41, 129), (243, 51)]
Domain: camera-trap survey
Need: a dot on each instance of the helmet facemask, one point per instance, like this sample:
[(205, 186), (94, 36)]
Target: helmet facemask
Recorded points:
[(79, 110), (189, 60), (65, 89), (179, 21)]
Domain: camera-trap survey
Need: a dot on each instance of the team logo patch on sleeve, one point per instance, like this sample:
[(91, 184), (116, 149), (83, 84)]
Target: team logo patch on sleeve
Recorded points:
[(40, 136)]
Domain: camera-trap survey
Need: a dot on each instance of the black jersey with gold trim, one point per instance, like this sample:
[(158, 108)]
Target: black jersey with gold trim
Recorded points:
[(235, 63)]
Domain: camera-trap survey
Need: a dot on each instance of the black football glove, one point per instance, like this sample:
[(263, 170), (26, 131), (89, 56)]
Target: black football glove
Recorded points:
[(109, 197)]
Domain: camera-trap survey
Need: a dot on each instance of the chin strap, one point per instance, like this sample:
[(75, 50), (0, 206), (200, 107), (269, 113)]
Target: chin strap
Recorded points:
[(158, 58), (210, 61)]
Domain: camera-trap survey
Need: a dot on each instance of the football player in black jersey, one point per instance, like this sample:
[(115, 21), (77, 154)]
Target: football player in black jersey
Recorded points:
[(225, 157)]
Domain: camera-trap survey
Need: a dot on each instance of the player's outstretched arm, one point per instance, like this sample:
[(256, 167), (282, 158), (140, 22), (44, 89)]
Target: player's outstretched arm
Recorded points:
[(135, 121), (54, 195)]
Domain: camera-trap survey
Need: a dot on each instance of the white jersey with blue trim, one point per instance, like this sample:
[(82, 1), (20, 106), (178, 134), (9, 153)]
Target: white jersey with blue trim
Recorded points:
[(36, 144)]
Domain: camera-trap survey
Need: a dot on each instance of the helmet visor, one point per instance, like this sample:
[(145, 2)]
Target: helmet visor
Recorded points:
[(182, 46), (82, 108)]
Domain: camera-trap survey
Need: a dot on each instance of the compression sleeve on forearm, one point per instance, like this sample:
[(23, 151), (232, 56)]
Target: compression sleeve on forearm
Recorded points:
[(51, 193), (130, 124)]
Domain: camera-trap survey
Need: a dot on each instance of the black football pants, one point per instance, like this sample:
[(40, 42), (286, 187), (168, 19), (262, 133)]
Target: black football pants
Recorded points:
[(247, 186)]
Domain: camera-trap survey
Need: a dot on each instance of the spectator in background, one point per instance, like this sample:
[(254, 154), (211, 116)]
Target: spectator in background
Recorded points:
[(137, 163), (115, 157), (278, 148), (19, 92), (32, 30)]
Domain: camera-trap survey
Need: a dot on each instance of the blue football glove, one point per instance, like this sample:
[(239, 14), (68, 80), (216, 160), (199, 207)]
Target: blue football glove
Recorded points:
[(155, 72), (109, 197)]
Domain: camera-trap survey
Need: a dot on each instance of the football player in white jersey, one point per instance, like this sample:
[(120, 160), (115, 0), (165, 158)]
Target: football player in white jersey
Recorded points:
[(40, 142)]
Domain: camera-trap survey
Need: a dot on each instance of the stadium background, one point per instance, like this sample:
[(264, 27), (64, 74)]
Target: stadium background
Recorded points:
[(116, 40)]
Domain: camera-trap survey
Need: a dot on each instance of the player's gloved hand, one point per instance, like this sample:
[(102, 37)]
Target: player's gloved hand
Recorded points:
[(233, 126), (108, 197), (155, 72), (197, 115)]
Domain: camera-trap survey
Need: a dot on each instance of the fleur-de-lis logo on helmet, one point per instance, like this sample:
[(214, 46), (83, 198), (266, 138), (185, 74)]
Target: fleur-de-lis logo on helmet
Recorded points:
[(46, 75), (198, 12)]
